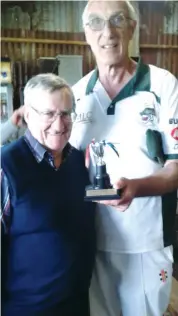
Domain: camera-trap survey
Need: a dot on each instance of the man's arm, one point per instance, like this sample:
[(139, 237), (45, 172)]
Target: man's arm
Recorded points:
[(161, 182), (7, 131), (12, 125), (5, 204), (5, 224)]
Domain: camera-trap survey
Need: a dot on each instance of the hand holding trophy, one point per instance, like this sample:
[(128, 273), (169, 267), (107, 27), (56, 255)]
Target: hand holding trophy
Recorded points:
[(101, 188)]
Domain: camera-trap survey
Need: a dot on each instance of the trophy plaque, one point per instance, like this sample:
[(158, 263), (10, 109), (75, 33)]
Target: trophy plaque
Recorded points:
[(101, 188)]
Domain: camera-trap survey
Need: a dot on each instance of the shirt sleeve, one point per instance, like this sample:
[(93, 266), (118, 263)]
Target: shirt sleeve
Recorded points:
[(5, 203), (7, 131), (168, 122)]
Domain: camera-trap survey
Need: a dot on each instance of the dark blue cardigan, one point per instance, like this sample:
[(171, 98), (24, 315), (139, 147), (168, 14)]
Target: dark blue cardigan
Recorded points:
[(50, 247)]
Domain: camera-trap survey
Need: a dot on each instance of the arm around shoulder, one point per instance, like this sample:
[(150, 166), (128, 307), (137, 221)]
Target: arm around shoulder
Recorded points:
[(7, 130)]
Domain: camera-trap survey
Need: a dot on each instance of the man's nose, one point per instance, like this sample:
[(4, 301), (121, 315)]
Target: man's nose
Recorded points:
[(58, 123), (108, 30)]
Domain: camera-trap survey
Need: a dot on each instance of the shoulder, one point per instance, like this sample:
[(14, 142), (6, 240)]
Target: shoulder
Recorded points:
[(12, 151), (79, 88), (8, 148), (79, 154), (162, 77), (74, 154), (162, 82)]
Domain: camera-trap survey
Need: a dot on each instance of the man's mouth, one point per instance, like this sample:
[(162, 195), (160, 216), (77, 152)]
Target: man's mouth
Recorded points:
[(109, 46), (58, 133)]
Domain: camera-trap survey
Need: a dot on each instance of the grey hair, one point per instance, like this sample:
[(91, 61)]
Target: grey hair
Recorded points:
[(45, 82), (131, 10)]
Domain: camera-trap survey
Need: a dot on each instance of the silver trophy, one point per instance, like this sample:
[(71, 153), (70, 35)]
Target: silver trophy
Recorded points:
[(101, 188)]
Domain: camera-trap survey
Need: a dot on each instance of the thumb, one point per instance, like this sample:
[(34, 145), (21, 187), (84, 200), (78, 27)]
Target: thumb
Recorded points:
[(120, 184)]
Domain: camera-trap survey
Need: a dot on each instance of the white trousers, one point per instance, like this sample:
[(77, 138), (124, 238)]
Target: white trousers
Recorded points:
[(134, 284)]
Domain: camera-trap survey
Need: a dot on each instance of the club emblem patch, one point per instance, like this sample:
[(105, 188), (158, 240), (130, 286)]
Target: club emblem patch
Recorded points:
[(148, 115)]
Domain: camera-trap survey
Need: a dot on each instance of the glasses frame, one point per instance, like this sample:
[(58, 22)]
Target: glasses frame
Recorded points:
[(61, 114), (107, 21)]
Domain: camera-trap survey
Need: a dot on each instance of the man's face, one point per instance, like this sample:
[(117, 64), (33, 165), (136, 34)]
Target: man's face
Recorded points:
[(110, 44), (51, 130)]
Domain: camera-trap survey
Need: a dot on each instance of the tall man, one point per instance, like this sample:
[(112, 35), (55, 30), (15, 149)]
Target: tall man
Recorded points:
[(48, 239), (118, 102)]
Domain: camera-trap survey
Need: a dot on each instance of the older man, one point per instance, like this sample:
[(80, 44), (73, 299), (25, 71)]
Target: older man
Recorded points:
[(48, 238), (121, 102)]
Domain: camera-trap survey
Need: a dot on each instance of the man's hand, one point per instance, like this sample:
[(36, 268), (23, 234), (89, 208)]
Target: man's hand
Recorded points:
[(17, 117), (161, 182), (129, 189)]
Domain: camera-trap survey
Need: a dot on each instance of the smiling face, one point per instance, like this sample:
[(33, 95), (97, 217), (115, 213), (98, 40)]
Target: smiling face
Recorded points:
[(109, 43), (49, 128)]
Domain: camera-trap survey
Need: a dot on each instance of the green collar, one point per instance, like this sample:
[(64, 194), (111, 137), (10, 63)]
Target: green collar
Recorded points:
[(140, 82)]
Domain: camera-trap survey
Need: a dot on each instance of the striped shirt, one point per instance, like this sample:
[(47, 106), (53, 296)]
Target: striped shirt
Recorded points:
[(40, 153)]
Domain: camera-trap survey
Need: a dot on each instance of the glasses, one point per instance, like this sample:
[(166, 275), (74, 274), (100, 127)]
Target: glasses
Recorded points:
[(118, 20), (50, 116)]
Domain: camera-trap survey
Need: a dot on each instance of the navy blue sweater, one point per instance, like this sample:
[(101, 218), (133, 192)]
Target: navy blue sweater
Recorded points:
[(50, 246)]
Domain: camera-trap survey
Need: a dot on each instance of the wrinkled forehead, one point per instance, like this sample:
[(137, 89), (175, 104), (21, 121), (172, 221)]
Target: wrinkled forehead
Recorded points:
[(45, 100), (106, 9)]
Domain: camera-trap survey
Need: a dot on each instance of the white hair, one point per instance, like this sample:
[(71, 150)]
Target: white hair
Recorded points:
[(45, 82), (131, 10)]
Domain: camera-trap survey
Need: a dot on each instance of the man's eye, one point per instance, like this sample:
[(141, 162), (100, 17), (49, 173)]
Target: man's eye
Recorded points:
[(48, 114), (118, 19), (96, 21), (66, 113)]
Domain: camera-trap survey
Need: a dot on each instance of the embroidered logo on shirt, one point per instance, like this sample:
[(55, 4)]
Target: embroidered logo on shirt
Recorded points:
[(163, 276), (148, 115)]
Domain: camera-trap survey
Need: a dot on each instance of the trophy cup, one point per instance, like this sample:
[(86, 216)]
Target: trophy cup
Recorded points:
[(101, 188)]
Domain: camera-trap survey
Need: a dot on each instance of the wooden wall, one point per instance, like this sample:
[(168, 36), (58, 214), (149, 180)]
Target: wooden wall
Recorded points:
[(158, 45)]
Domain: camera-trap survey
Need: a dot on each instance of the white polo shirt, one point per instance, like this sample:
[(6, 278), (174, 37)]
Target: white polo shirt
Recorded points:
[(148, 101)]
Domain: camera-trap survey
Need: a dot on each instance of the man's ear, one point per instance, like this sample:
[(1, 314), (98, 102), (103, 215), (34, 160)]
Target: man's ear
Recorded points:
[(26, 113), (132, 28)]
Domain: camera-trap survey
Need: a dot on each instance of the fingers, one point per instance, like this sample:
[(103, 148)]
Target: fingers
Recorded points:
[(122, 208), (121, 204), (118, 205), (110, 202)]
